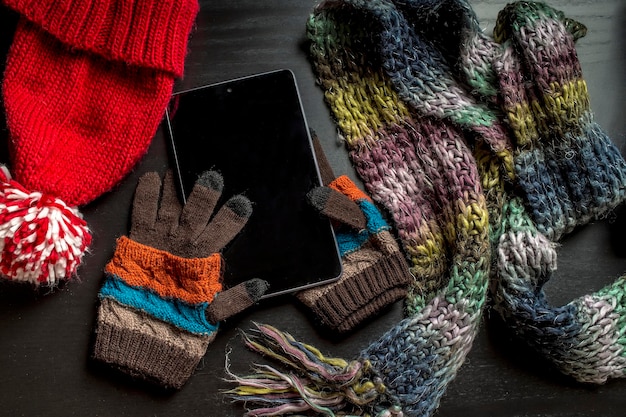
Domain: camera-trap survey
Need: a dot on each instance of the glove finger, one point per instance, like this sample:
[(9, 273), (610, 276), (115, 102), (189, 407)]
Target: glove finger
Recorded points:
[(200, 204), (234, 300), (337, 206), (225, 225), (326, 171), (145, 203), (170, 208)]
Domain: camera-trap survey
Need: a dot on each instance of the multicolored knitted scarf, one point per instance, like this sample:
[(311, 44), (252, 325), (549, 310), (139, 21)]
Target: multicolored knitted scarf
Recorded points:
[(571, 173), (568, 169), (411, 83), (422, 171)]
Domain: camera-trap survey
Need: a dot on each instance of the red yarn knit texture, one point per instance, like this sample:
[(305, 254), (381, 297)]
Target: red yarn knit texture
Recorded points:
[(78, 124), (85, 88), (143, 33)]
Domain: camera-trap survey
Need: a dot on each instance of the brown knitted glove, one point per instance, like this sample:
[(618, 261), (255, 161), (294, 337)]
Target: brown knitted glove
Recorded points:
[(375, 273), (162, 297)]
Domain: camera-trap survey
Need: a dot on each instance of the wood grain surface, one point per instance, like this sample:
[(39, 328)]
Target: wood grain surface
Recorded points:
[(45, 339)]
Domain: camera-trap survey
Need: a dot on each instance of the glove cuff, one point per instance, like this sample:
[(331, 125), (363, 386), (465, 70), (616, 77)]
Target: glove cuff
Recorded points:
[(142, 346), (371, 280)]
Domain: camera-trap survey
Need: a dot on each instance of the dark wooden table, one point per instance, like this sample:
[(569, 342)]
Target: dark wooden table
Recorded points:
[(45, 340)]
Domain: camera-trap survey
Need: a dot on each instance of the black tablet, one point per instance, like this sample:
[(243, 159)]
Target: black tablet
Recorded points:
[(254, 132)]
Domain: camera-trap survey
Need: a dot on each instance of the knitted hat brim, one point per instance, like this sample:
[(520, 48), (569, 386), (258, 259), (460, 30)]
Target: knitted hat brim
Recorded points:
[(78, 123)]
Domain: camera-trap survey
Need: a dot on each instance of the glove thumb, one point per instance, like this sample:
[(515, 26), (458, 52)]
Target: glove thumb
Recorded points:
[(337, 206), (234, 300)]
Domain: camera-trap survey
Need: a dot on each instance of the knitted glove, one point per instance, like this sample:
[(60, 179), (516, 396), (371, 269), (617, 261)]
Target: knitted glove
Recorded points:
[(162, 297), (375, 273), (565, 163), (422, 171)]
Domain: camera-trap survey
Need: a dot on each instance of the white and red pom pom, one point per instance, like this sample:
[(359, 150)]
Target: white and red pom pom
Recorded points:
[(42, 240)]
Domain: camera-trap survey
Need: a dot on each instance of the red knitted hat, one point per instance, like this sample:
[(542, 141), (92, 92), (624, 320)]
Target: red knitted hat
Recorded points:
[(85, 88)]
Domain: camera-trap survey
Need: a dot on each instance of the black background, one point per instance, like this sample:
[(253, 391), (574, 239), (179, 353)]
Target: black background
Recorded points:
[(45, 339)]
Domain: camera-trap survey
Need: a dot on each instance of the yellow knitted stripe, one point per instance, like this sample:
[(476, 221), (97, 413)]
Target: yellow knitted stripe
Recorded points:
[(470, 265), (559, 110), (427, 254), (566, 104), (362, 104), (470, 220), (522, 122)]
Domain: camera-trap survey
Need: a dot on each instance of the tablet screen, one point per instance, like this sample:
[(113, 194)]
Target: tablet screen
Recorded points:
[(253, 131)]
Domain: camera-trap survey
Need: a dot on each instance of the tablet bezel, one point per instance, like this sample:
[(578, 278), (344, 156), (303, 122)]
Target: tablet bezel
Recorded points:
[(301, 279)]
